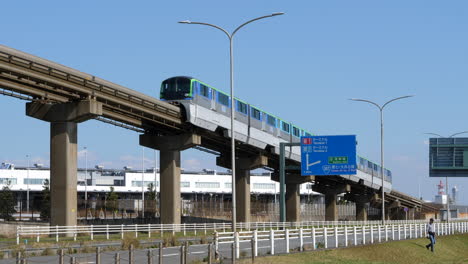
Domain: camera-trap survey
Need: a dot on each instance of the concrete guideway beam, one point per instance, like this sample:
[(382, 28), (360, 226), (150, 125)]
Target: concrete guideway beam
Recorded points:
[(170, 148), (331, 192), (63, 153), (242, 180)]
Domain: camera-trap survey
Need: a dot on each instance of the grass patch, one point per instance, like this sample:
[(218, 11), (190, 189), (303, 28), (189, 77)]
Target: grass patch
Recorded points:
[(449, 249)]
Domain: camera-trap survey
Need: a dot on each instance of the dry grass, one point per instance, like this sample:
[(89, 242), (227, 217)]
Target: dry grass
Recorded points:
[(450, 249)]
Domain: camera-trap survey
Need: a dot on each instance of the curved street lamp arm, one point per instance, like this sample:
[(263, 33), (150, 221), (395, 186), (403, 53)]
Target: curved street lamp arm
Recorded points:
[(434, 134), (458, 133), (255, 19), (398, 98), (207, 24), (366, 101)]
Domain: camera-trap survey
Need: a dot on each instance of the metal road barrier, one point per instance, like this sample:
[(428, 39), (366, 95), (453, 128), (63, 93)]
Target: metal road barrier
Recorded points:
[(106, 231), (330, 236)]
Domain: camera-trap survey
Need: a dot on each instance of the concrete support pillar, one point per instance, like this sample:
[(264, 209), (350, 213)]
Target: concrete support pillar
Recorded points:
[(361, 210), (64, 119), (242, 181), (331, 190), (293, 199), (170, 186), (170, 148), (331, 209), (63, 154), (242, 195)]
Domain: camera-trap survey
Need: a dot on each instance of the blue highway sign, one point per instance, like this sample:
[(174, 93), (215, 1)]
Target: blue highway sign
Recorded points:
[(328, 155)]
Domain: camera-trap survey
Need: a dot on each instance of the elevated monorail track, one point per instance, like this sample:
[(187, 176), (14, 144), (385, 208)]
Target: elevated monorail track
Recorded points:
[(31, 78)]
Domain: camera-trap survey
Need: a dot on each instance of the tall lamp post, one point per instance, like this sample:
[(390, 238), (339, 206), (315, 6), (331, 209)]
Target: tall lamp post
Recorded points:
[(86, 182), (446, 177), (381, 108), (231, 59), (27, 185)]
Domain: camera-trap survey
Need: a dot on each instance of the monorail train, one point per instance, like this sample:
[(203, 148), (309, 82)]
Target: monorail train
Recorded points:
[(210, 108)]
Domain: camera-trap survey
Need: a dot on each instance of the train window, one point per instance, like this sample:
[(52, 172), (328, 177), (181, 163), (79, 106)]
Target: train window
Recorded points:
[(223, 99), (241, 107), (271, 120), (176, 88), (285, 126), (256, 114), (204, 90), (296, 131)]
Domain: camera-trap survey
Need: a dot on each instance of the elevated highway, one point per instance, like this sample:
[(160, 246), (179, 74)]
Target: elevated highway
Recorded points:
[(65, 97)]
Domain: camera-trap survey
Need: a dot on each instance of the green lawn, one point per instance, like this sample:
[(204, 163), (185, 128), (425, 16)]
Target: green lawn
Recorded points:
[(449, 249)]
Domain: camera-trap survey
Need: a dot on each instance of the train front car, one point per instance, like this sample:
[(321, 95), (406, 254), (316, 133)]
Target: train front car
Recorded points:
[(176, 88)]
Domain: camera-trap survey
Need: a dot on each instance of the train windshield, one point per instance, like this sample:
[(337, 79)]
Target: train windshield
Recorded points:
[(176, 89)]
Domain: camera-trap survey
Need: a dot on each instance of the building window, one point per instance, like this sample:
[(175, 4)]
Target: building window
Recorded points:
[(264, 186), (207, 184), (185, 184), (33, 181), (6, 181), (228, 185), (138, 183)]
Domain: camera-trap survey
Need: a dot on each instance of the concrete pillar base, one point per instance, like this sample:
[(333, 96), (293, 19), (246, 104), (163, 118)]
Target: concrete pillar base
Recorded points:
[(293, 208), (63, 154), (170, 148)]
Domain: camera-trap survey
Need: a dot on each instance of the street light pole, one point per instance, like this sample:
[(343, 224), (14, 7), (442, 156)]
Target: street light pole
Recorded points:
[(143, 184), (27, 186), (446, 177), (381, 108), (231, 59)]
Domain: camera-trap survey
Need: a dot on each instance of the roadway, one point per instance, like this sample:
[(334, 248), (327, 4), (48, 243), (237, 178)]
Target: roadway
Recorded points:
[(199, 252)]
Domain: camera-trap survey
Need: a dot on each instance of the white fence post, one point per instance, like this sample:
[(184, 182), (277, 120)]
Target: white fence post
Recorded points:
[(301, 239), (404, 231), (355, 235), (56, 233), (410, 231), (107, 232), (272, 242), (136, 230), (393, 232), (37, 234), (255, 236), (363, 228), (92, 232), (122, 231), (336, 236), (286, 238), (346, 236), (149, 230), (236, 239), (313, 238), (18, 228), (372, 234)]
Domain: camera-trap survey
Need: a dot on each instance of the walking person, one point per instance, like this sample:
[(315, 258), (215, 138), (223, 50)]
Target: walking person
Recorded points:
[(431, 234)]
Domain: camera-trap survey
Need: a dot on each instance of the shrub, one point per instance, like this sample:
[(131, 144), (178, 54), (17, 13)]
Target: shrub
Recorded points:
[(130, 240), (48, 252)]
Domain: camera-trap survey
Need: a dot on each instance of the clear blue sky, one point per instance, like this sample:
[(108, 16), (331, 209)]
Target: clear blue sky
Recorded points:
[(302, 66)]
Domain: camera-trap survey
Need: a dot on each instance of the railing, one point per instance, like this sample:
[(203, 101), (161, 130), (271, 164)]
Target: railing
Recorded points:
[(118, 231), (330, 237)]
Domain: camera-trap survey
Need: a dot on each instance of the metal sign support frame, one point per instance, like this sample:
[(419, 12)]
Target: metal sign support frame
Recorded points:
[(282, 176)]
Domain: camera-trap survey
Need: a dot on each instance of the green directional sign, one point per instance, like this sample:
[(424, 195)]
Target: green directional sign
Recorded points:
[(338, 160)]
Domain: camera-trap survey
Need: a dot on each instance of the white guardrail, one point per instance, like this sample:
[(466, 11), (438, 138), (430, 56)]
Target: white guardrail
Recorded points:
[(105, 231), (331, 237)]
